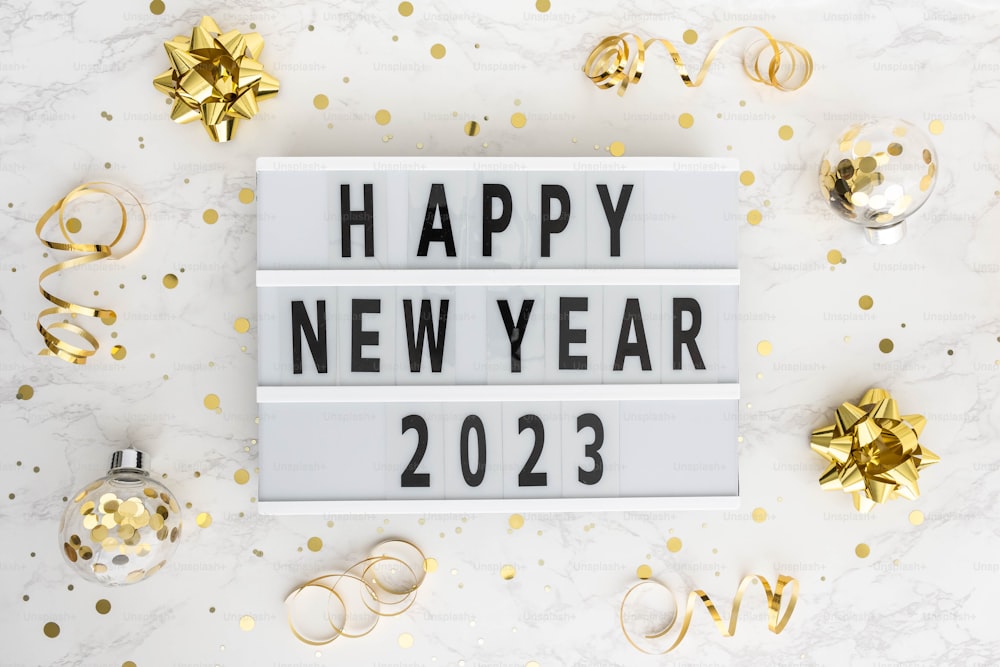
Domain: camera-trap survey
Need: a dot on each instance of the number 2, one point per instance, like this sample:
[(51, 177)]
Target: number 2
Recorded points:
[(410, 476), (528, 476), (591, 451)]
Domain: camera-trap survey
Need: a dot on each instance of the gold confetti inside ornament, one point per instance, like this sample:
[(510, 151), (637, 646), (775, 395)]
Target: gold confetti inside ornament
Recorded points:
[(215, 77), (877, 174), (874, 452), (122, 528)]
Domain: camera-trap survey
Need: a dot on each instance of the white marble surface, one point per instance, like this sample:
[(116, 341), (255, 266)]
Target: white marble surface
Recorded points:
[(925, 595)]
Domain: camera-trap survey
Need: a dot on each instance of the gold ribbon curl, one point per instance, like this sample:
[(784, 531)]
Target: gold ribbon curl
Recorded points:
[(776, 621), (381, 598), (214, 76), (874, 452), (612, 63), (54, 345)]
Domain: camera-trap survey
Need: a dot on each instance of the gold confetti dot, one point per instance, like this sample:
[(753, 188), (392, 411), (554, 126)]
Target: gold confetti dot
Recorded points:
[(108, 319), (834, 257), (785, 132), (405, 640), (690, 36), (862, 550), (246, 196), (25, 392), (518, 119), (936, 126), (438, 51), (430, 565), (157, 7), (685, 120), (759, 515), (211, 401), (314, 544), (472, 128), (103, 606), (247, 623), (747, 177), (170, 281), (204, 520), (617, 148), (382, 117), (321, 101), (543, 5), (405, 8), (916, 517), (754, 217), (644, 572), (516, 521), (242, 325), (210, 216), (51, 630), (508, 572), (764, 348), (886, 345), (866, 302), (128, 663), (118, 352), (674, 545), (73, 225), (241, 476)]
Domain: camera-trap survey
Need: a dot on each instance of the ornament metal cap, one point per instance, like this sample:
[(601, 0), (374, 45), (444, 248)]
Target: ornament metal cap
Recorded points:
[(128, 459)]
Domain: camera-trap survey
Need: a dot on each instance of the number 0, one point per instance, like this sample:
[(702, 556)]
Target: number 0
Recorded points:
[(473, 423)]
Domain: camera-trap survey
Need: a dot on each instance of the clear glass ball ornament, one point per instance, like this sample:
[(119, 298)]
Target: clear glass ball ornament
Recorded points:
[(877, 174), (122, 528)]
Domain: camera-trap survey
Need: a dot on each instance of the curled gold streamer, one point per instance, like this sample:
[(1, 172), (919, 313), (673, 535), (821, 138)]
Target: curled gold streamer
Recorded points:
[(612, 63), (54, 345), (776, 621), (873, 450), (370, 587)]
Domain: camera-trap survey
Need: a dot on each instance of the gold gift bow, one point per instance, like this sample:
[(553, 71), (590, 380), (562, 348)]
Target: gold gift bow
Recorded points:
[(775, 623), (54, 345), (369, 583), (874, 453), (215, 76), (612, 64)]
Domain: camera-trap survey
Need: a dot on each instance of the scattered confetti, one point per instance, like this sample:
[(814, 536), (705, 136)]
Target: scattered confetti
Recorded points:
[(241, 476), (690, 36), (685, 120), (764, 348), (321, 101), (405, 8), (382, 117), (472, 128), (51, 630), (518, 119), (210, 216), (516, 521), (242, 325), (617, 148), (204, 520), (785, 132), (211, 401), (644, 572), (916, 517), (886, 345), (247, 623), (25, 392), (170, 281), (438, 51), (759, 515), (674, 545), (747, 177), (862, 550), (314, 544), (508, 572)]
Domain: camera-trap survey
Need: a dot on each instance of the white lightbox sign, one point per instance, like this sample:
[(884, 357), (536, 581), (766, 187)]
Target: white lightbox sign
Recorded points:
[(470, 334)]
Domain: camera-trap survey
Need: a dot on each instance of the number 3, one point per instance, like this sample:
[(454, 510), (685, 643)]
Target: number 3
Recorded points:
[(591, 451)]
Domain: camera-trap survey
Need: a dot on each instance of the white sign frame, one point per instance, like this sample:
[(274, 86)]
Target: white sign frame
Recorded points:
[(272, 277)]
